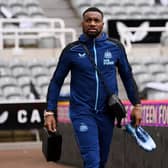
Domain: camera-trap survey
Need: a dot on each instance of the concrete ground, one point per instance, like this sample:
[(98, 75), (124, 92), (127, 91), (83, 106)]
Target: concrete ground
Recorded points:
[(25, 155)]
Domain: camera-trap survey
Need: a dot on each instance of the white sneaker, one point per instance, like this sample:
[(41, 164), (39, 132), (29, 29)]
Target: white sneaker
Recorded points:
[(148, 137), (142, 138)]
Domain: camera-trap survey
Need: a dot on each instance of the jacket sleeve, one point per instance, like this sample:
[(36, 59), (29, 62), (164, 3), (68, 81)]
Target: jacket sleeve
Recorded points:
[(127, 78), (57, 80)]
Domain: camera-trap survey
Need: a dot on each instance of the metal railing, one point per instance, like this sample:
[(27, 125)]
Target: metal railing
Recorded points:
[(17, 29)]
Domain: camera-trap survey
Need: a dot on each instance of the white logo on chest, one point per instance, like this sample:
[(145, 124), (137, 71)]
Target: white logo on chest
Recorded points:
[(107, 55), (108, 58), (81, 55)]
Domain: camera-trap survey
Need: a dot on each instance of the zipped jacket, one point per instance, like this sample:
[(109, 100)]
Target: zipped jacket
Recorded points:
[(87, 92)]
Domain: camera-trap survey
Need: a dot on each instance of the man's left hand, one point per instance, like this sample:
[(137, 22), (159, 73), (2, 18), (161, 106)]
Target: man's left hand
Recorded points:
[(136, 115)]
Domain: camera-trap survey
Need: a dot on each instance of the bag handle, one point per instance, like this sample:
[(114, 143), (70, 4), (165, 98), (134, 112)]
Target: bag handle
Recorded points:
[(96, 68)]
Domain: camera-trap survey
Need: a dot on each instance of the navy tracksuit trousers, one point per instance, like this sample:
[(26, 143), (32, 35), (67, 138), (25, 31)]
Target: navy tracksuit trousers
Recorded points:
[(93, 134)]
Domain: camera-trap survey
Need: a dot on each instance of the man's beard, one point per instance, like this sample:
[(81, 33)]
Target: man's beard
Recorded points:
[(93, 35)]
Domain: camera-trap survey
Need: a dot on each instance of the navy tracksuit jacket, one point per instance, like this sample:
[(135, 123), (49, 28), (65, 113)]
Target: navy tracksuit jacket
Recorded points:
[(93, 128)]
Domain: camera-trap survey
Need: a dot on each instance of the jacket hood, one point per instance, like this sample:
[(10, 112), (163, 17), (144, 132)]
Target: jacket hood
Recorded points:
[(84, 38)]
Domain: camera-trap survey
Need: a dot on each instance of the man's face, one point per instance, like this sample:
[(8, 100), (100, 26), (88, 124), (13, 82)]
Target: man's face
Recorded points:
[(92, 24)]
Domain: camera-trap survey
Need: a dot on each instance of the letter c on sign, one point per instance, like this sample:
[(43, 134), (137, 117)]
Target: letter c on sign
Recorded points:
[(22, 116)]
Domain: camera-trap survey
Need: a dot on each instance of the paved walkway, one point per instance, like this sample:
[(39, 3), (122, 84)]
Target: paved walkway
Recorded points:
[(24, 155)]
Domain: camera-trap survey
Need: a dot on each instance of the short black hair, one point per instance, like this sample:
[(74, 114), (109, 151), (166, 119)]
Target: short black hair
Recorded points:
[(93, 9)]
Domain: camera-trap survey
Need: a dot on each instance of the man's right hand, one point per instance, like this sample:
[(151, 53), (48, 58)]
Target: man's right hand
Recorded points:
[(50, 123)]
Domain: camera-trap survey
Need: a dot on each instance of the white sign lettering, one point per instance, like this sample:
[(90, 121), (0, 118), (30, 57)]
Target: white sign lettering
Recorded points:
[(35, 116), (22, 116)]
